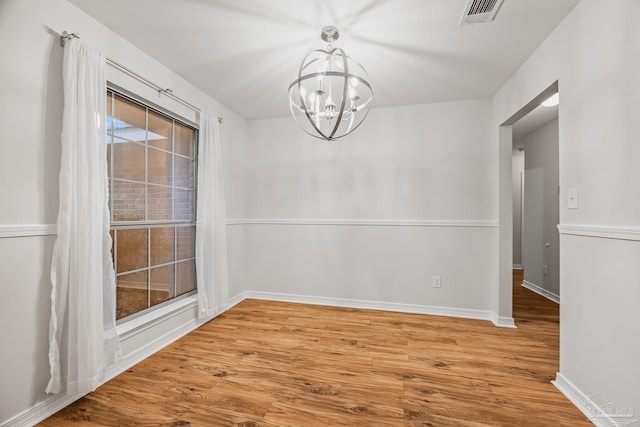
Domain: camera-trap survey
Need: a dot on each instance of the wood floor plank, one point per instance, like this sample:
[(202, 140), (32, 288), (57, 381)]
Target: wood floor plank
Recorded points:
[(275, 364)]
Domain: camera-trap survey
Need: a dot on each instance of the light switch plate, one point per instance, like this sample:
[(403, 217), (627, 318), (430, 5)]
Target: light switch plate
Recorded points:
[(436, 282), (572, 201)]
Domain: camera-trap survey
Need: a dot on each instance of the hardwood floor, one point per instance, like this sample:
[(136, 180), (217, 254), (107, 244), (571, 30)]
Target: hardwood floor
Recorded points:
[(268, 363)]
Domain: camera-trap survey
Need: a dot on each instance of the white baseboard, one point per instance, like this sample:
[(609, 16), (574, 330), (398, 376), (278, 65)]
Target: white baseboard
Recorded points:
[(53, 404), (594, 413), (149, 349), (41, 411), (237, 299), (541, 291), (377, 305), (571, 392), (503, 322), (517, 266)]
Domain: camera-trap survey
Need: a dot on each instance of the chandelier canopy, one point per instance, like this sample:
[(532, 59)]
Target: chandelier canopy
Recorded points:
[(331, 96)]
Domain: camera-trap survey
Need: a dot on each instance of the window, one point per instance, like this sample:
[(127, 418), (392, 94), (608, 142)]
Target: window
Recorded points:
[(152, 195)]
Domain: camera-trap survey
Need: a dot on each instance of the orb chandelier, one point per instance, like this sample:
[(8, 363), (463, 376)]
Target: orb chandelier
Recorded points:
[(331, 96)]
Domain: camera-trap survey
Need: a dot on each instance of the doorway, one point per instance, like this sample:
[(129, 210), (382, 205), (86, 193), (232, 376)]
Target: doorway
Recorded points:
[(535, 186), (504, 294)]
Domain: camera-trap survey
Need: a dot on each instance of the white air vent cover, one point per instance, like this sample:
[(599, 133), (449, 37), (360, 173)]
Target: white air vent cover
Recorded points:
[(477, 11)]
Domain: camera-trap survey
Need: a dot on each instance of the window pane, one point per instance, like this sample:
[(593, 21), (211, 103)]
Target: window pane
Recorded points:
[(160, 131), (128, 159), (132, 249), (159, 199), (128, 201), (160, 169), (129, 121), (162, 245), (186, 272), (131, 293), (186, 242), (184, 140), (184, 172), (184, 204), (162, 284)]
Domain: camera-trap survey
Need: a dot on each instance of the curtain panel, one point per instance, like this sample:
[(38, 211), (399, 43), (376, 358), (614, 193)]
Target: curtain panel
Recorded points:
[(211, 235), (82, 330)]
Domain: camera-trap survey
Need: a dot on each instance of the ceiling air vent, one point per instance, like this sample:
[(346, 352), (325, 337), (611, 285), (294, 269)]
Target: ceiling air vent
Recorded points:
[(478, 11)]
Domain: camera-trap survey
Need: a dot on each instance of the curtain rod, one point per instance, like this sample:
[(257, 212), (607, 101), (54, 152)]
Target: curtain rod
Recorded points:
[(161, 90)]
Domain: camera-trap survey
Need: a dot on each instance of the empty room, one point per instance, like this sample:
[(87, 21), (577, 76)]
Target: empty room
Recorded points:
[(320, 212)]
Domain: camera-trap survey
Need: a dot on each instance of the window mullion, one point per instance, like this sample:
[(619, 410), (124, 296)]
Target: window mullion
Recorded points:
[(146, 202), (173, 208), (114, 248)]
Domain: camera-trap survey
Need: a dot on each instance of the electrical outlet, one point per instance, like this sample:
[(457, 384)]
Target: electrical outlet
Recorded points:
[(544, 269), (436, 281)]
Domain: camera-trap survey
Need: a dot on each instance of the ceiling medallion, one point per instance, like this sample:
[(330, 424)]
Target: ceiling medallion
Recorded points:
[(331, 96)]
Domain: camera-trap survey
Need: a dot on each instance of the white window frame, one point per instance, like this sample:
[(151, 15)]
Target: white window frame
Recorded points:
[(150, 316)]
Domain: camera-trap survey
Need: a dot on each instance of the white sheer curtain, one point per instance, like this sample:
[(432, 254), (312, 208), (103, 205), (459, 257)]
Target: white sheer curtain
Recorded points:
[(211, 235), (82, 335)]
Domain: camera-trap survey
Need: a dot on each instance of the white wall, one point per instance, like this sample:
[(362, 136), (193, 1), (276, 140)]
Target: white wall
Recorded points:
[(599, 151), (30, 123), (415, 162), (517, 178), (424, 163), (541, 209)]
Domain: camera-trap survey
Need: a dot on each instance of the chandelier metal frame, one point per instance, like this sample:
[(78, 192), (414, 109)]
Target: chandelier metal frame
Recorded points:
[(319, 109)]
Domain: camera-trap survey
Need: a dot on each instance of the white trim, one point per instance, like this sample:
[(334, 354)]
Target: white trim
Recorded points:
[(149, 349), (237, 299), (503, 322), (25, 230), (517, 266), (41, 410), (541, 291), (377, 305), (134, 326), (367, 222), (601, 231), (53, 404), (571, 392), (582, 401)]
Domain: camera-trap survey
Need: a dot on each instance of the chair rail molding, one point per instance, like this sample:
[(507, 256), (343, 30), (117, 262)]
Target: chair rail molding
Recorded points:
[(26, 230), (600, 231), (366, 222)]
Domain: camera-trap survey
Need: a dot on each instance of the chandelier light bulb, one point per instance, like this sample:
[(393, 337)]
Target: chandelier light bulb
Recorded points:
[(331, 96)]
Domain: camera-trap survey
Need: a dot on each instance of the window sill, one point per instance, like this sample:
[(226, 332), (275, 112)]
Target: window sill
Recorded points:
[(142, 323)]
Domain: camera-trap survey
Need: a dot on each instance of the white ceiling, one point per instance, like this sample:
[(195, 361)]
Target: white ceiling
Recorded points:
[(245, 53)]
